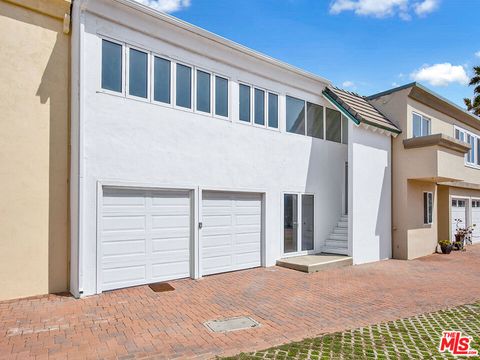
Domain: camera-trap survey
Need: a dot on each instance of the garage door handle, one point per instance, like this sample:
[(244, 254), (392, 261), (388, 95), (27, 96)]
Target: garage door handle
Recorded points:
[(200, 225)]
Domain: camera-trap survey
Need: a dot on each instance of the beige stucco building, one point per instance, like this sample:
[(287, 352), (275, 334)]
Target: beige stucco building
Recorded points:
[(436, 169), (34, 93)]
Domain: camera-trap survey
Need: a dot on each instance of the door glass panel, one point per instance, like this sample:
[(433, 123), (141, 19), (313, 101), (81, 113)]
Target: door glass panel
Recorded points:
[(307, 222), (290, 226)]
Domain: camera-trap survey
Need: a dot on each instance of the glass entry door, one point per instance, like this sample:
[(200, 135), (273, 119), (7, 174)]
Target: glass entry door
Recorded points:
[(290, 223), (298, 236), (307, 222)]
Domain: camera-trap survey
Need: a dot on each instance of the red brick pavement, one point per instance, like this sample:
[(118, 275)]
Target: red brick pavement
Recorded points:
[(290, 305)]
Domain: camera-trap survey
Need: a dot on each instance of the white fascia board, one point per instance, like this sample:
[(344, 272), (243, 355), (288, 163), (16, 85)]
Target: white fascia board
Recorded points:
[(217, 39)]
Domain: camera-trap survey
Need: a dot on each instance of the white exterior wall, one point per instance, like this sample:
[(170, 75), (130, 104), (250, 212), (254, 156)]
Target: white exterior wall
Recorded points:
[(132, 142), (370, 203)]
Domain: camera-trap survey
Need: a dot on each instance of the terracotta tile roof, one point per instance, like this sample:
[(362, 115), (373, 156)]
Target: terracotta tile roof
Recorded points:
[(359, 109)]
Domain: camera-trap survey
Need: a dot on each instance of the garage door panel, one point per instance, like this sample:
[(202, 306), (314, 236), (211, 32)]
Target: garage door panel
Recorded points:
[(231, 234), (124, 248), (145, 235), (216, 240), (168, 271), (129, 275), (216, 264), (217, 220), (171, 221), (123, 223)]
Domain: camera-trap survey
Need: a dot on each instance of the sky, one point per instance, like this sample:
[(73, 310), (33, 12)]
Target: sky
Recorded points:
[(365, 46)]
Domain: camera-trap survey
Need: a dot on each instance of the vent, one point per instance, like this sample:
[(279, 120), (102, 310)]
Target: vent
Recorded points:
[(231, 324)]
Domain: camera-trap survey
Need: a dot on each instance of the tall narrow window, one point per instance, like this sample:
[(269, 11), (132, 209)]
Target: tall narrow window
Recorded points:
[(161, 80), (259, 107), (315, 120), (273, 110), (203, 91), (295, 116), (333, 125), (111, 66), (344, 129), (221, 96), (184, 86), (478, 153), (427, 207), (471, 153), (245, 103), (138, 73)]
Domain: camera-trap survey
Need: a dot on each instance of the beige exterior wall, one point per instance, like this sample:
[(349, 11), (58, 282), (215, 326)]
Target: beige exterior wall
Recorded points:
[(34, 103), (422, 169)]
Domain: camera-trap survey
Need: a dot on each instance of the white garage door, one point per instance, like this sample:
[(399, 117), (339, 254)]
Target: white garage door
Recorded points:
[(145, 237), (476, 220), (458, 212), (232, 232)]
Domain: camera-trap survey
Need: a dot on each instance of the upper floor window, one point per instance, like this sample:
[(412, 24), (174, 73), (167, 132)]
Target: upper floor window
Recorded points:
[(161, 80), (295, 116), (315, 120), (344, 129), (333, 125), (138, 73), (184, 86), (259, 107), (221, 96), (203, 91), (112, 65), (273, 110), (421, 125), (245, 102), (472, 158)]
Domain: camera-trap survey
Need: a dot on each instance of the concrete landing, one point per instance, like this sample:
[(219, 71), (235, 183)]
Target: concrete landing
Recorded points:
[(314, 263)]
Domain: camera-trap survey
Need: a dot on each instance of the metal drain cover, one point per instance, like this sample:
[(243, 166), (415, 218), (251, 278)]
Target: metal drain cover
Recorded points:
[(231, 324)]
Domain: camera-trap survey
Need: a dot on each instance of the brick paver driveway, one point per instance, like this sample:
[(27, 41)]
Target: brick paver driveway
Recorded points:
[(290, 306)]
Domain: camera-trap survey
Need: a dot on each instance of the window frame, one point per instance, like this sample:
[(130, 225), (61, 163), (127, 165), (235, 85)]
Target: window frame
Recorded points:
[(124, 62), (195, 81), (240, 83), (192, 87), (324, 111), (214, 92), (172, 79), (476, 146), (265, 105), (325, 125), (127, 73), (422, 117), (426, 213), (304, 113), (268, 113)]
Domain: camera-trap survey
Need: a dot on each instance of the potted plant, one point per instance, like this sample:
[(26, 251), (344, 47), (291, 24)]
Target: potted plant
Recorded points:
[(463, 235), (446, 246)]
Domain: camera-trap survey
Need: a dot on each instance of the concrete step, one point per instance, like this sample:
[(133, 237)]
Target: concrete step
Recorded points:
[(336, 243), (343, 237), (338, 230), (335, 250), (342, 224), (314, 263)]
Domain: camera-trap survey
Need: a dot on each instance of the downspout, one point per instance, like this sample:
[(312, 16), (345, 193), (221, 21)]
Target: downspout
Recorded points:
[(77, 151)]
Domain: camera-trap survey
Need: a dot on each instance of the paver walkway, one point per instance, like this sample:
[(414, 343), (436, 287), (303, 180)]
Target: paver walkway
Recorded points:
[(290, 306)]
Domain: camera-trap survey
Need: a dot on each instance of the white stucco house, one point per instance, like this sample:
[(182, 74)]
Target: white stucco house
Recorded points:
[(192, 155)]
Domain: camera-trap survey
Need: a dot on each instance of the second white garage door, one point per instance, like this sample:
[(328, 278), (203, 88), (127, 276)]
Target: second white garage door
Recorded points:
[(231, 235)]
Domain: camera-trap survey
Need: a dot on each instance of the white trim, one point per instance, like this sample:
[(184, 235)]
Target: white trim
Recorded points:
[(127, 73), (124, 66), (192, 88), (220, 40), (195, 91), (422, 117), (156, 102), (299, 251)]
